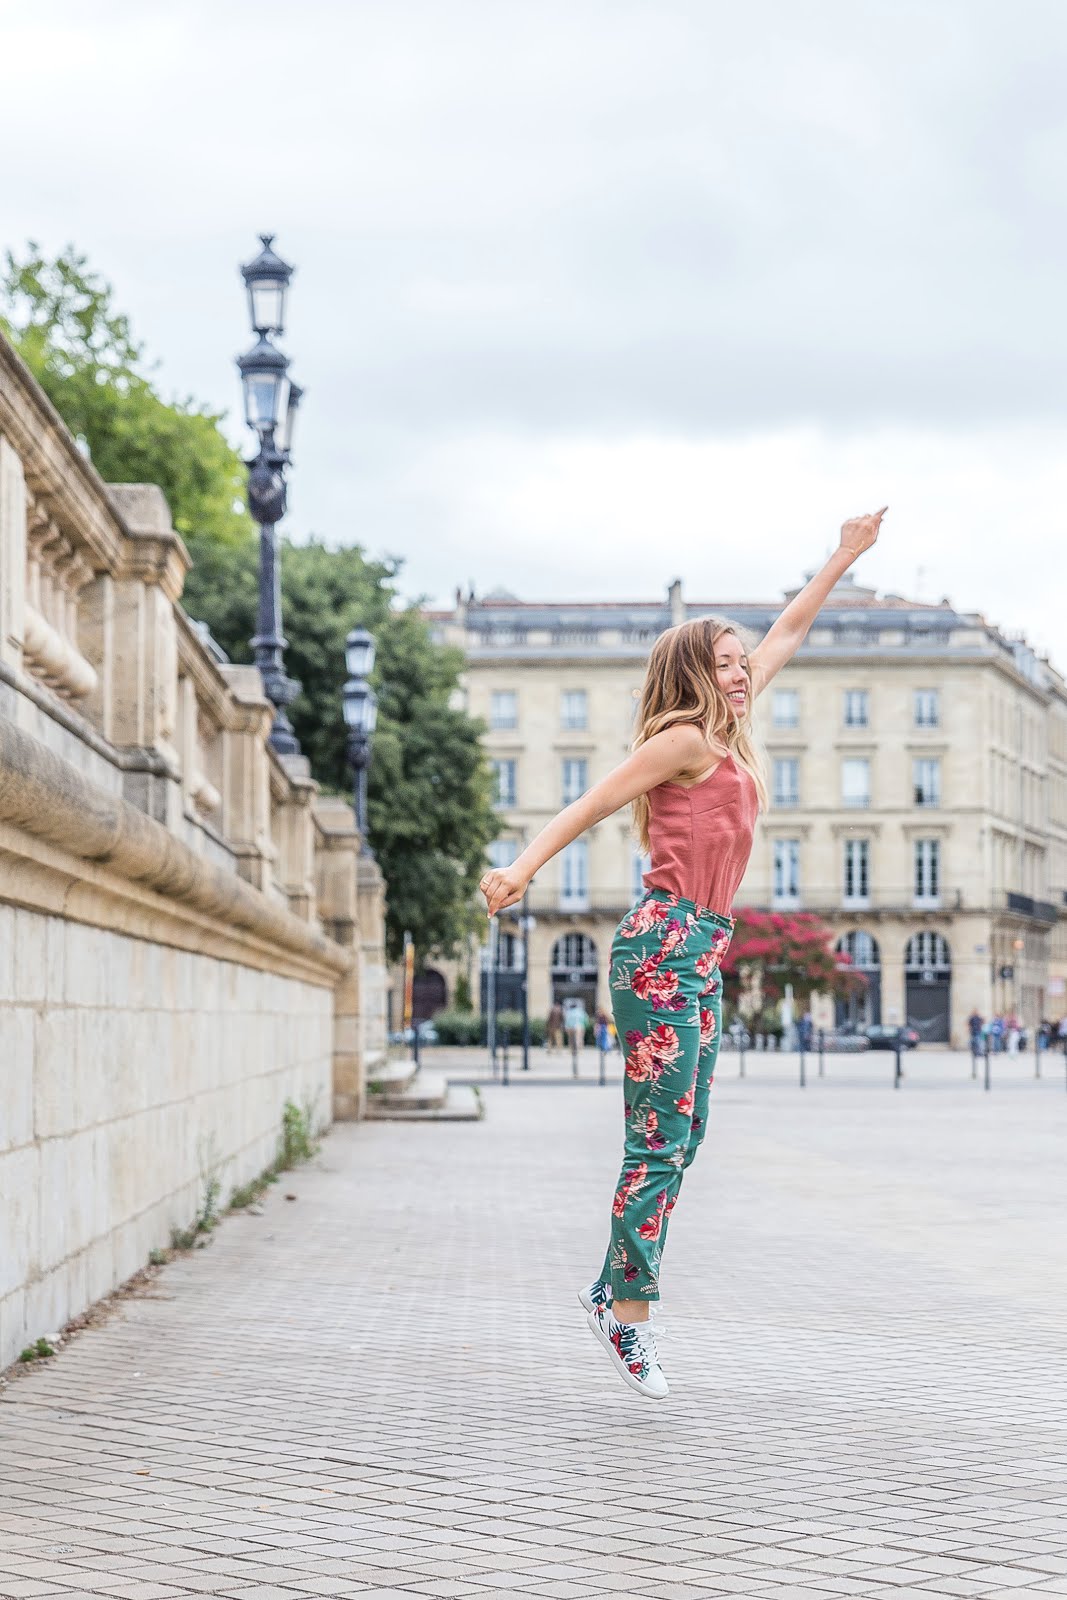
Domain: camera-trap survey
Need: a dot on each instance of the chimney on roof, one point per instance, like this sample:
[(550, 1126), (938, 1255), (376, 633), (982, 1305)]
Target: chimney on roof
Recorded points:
[(676, 602)]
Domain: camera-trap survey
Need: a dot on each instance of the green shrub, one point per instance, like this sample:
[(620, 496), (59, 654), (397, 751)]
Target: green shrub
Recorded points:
[(458, 1027), (465, 1028), (462, 1000)]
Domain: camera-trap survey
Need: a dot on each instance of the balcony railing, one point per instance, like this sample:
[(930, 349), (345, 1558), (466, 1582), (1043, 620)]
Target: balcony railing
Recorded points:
[(834, 900), (1026, 906), (614, 901)]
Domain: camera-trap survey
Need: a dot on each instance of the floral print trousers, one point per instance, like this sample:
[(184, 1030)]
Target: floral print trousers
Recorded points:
[(666, 993)]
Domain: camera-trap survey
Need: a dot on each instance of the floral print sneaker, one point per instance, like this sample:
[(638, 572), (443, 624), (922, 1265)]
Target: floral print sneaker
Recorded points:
[(597, 1294), (632, 1348)]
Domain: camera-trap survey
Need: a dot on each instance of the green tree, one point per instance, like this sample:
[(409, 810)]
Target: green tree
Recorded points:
[(60, 317), (430, 815)]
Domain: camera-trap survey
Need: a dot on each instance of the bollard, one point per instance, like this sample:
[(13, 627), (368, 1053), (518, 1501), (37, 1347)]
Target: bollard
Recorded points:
[(974, 1057), (741, 1052), (415, 1045), (822, 1052), (803, 1080), (898, 1071), (506, 1040), (987, 1062), (603, 1065), (1037, 1052)]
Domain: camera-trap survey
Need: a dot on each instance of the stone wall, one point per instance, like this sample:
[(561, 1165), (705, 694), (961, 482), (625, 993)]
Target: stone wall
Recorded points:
[(133, 1074), (189, 935)]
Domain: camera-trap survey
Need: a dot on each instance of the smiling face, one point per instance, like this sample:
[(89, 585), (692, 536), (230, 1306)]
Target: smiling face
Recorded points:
[(731, 672)]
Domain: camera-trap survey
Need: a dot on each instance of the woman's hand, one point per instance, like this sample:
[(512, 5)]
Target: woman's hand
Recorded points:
[(502, 887), (859, 533)]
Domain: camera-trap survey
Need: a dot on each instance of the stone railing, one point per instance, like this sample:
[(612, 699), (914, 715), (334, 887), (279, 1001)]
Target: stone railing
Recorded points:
[(190, 935)]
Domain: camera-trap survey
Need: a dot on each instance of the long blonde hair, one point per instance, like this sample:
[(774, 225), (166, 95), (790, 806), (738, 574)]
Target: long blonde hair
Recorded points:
[(680, 686)]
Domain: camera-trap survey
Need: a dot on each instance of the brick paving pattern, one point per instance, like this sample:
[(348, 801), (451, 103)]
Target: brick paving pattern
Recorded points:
[(386, 1389)]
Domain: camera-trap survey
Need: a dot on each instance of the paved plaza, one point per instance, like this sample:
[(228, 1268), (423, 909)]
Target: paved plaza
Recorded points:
[(386, 1388)]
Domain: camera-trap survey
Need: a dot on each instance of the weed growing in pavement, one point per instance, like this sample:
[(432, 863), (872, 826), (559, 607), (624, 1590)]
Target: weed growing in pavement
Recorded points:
[(40, 1350), (297, 1142), (208, 1215)]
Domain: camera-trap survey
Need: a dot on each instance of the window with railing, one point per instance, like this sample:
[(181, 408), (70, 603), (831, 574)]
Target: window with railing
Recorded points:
[(857, 708), (857, 872), (504, 777), (856, 782), (785, 708), (786, 872), (574, 709), (926, 778), (574, 876), (927, 872), (786, 781), (503, 709), (575, 778), (502, 853), (927, 708)]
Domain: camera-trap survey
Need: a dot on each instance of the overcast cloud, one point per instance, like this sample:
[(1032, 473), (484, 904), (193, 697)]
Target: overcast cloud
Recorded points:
[(593, 295)]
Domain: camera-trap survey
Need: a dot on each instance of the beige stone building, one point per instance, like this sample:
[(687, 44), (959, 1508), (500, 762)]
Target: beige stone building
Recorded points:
[(917, 768), (190, 937)]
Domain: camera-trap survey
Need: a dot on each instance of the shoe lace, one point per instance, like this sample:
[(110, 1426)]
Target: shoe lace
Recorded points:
[(641, 1338)]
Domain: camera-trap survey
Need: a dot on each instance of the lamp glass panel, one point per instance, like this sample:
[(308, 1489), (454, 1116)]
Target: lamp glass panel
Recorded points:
[(359, 707), (266, 299), (359, 655), (262, 393)]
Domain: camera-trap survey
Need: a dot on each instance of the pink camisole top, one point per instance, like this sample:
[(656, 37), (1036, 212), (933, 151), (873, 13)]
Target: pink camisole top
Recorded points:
[(701, 836)]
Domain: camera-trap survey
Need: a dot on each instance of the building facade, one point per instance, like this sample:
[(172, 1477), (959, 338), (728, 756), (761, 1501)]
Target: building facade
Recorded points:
[(917, 770)]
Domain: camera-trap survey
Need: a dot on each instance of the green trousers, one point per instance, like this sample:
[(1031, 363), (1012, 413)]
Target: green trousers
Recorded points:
[(666, 993)]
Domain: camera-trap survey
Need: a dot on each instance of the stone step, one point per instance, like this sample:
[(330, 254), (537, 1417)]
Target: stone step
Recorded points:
[(389, 1077), (422, 1092), (455, 1103)]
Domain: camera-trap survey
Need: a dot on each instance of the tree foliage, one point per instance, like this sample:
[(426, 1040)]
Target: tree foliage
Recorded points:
[(771, 949), (430, 813), (60, 317)]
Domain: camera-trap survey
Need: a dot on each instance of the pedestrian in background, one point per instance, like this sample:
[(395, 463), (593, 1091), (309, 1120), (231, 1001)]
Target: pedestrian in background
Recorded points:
[(554, 1027), (696, 786)]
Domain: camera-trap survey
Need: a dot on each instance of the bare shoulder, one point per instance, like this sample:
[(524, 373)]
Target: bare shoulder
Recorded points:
[(683, 751)]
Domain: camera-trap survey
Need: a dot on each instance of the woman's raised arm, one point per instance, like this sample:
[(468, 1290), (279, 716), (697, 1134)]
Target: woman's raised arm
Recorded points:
[(786, 636), (666, 755)]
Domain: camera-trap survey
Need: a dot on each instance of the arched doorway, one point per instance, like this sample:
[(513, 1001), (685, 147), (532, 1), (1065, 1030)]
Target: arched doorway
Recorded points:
[(429, 994), (928, 986), (574, 970), (861, 1010)]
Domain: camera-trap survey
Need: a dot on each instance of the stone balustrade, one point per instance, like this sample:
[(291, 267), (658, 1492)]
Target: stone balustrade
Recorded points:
[(189, 933)]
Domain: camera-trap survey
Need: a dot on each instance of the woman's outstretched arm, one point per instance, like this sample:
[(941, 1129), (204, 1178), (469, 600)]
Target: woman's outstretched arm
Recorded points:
[(791, 629), (666, 755)]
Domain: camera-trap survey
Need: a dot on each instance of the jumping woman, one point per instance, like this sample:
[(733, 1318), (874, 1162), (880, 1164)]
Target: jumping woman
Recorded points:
[(696, 787)]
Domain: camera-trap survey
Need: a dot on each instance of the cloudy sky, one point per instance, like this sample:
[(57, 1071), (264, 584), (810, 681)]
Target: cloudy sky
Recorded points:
[(592, 295)]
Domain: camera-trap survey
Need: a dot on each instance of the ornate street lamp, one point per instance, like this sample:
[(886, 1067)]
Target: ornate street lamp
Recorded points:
[(360, 706), (271, 403)]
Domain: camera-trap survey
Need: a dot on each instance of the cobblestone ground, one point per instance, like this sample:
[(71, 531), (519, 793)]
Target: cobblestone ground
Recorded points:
[(387, 1389)]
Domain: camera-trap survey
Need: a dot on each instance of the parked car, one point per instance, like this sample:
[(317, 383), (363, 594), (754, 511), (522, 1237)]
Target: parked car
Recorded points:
[(882, 1037), (427, 1034)]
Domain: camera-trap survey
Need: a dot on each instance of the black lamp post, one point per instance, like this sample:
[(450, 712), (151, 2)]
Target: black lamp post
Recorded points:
[(271, 403), (360, 706)]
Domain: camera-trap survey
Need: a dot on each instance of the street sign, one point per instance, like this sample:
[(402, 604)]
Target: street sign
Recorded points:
[(1007, 973)]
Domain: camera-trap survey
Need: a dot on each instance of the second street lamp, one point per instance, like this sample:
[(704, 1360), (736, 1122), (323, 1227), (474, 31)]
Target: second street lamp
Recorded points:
[(271, 402), (360, 706)]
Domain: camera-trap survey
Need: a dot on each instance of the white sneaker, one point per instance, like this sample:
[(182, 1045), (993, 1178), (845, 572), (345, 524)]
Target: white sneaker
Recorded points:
[(597, 1294), (632, 1348)]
